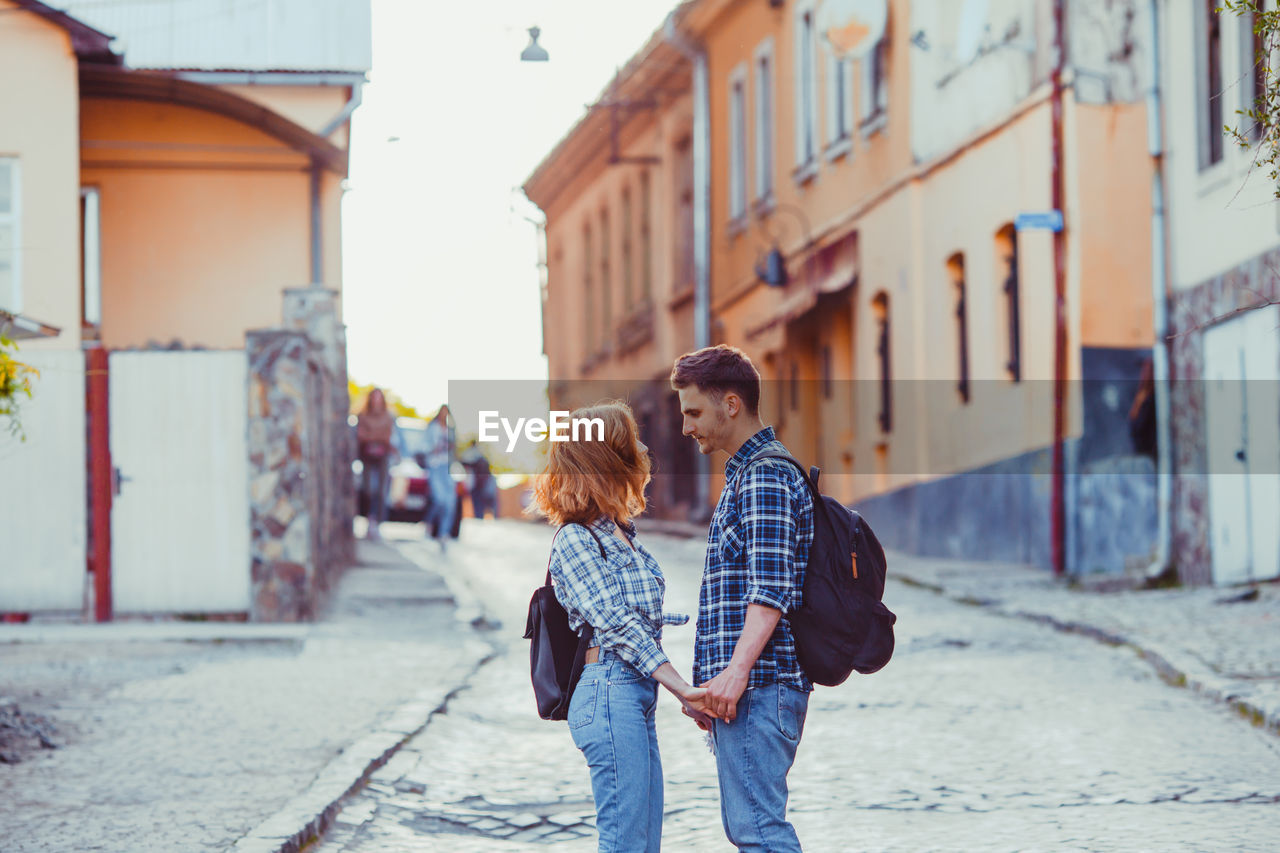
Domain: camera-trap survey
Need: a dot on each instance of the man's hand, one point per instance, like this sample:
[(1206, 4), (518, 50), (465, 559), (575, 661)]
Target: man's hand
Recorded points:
[(724, 691)]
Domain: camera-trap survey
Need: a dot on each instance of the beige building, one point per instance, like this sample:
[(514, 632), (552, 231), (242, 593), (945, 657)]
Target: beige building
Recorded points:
[(860, 229)]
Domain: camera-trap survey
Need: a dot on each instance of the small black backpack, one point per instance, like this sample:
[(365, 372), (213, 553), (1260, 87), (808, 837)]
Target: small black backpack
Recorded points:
[(842, 624), (556, 655)]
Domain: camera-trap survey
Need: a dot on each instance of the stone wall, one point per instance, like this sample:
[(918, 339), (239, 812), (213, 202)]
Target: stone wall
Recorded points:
[(299, 459)]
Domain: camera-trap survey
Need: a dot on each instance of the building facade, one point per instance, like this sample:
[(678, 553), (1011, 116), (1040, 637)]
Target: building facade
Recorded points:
[(865, 249)]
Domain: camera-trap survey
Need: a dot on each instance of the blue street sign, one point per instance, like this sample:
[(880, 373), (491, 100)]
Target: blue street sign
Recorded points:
[(1049, 220)]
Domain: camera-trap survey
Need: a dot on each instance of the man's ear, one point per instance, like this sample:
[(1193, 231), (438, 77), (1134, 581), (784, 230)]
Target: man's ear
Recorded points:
[(732, 404)]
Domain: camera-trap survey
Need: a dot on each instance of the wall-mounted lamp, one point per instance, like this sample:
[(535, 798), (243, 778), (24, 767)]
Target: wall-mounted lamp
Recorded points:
[(534, 52), (773, 271)]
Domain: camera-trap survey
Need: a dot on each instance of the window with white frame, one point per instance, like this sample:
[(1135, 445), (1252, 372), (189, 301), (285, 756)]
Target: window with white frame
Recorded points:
[(10, 239), (839, 101), (764, 120), (90, 256), (874, 97), (738, 142), (806, 86)]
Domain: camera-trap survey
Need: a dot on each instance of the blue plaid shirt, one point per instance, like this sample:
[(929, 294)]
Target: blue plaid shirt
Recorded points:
[(757, 551), (620, 596)]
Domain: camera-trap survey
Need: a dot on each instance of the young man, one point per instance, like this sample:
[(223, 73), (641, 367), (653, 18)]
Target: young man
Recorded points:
[(757, 549)]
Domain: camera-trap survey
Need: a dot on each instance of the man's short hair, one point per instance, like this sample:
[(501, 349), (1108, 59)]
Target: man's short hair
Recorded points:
[(717, 370)]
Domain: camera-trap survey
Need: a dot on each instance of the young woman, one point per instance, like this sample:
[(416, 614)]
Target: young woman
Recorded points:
[(593, 489), (373, 435)]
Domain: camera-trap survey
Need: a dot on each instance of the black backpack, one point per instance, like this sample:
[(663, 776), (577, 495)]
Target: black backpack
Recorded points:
[(557, 654), (842, 624)]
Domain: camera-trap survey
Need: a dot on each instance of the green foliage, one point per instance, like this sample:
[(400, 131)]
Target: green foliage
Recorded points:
[(15, 383), (1260, 125), (358, 393)]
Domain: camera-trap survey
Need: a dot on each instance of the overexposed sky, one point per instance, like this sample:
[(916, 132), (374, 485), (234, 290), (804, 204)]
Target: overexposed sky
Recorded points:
[(439, 274)]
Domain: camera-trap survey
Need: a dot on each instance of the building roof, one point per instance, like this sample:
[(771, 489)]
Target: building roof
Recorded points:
[(89, 44), (235, 35)]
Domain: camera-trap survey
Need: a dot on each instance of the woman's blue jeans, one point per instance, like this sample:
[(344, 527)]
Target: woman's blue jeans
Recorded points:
[(611, 718), (754, 753)]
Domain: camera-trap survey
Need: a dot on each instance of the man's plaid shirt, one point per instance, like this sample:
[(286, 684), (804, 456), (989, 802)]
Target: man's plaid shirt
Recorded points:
[(757, 551), (619, 596)]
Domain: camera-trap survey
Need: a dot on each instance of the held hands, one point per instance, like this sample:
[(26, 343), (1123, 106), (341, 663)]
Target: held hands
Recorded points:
[(694, 704), (723, 693)]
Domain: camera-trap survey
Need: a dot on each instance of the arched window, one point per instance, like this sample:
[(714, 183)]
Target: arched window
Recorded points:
[(880, 310), (646, 242), (955, 271), (588, 292), (1007, 265)]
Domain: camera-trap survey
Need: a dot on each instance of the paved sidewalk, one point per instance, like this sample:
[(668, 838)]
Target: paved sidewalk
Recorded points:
[(1221, 642), (199, 736)]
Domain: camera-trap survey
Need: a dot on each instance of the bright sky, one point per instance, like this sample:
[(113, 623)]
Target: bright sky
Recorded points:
[(440, 277)]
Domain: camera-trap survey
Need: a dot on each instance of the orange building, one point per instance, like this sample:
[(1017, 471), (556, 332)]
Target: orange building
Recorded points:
[(863, 246)]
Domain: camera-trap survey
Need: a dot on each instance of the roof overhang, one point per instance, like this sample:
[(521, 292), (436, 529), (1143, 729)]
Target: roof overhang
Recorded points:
[(98, 81), (89, 44)]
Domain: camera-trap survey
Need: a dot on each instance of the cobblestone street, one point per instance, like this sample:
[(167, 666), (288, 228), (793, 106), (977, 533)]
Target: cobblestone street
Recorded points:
[(984, 733)]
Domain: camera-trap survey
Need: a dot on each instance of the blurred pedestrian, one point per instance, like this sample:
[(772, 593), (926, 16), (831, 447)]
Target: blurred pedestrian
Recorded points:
[(441, 487), (484, 488), (373, 439), (593, 489)]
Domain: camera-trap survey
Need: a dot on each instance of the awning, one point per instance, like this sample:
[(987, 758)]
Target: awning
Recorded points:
[(16, 327)]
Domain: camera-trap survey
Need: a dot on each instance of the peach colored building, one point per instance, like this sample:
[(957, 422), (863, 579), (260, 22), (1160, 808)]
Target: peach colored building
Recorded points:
[(907, 334), (163, 184)]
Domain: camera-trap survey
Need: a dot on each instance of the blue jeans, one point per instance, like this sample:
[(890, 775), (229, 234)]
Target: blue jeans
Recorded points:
[(611, 719), (443, 500), (754, 753), (375, 484)]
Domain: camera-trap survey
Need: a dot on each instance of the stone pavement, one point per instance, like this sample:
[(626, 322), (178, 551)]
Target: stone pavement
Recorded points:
[(985, 733), (181, 736), (1220, 642)]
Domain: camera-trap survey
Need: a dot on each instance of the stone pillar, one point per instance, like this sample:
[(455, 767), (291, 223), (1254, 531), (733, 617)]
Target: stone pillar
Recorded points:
[(281, 441)]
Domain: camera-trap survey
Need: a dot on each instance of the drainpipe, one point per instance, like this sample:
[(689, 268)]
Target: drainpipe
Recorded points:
[(697, 55), (1160, 306), (317, 258), (1058, 486), (345, 115)]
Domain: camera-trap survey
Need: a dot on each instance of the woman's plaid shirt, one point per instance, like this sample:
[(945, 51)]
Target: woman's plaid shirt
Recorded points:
[(757, 551), (620, 596)]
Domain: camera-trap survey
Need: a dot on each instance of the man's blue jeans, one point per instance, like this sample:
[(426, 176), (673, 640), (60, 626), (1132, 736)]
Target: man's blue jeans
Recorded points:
[(611, 718), (754, 753)]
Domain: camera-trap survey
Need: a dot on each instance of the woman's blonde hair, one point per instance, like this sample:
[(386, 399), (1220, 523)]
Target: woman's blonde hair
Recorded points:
[(585, 479)]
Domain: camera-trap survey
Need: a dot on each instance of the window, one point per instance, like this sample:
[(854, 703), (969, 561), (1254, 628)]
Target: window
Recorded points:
[(875, 87), (1253, 73), (606, 281), (683, 185), (764, 120), (628, 299), (794, 387), (880, 309), (646, 241), (1210, 94), (1007, 256), (839, 102), (91, 257), (738, 143), (955, 271), (588, 291), (826, 373), (10, 236), (806, 117)]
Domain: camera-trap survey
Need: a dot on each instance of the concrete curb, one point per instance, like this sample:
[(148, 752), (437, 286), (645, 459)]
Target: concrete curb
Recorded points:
[(1174, 666), (307, 816)]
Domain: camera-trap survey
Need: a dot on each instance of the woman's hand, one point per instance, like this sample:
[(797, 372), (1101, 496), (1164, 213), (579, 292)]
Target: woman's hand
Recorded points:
[(704, 721)]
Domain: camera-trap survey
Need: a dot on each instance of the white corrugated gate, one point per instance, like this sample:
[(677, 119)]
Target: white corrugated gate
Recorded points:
[(180, 518), (42, 491)]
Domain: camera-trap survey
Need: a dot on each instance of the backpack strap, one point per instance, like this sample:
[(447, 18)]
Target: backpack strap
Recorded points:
[(588, 632), (810, 477)]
